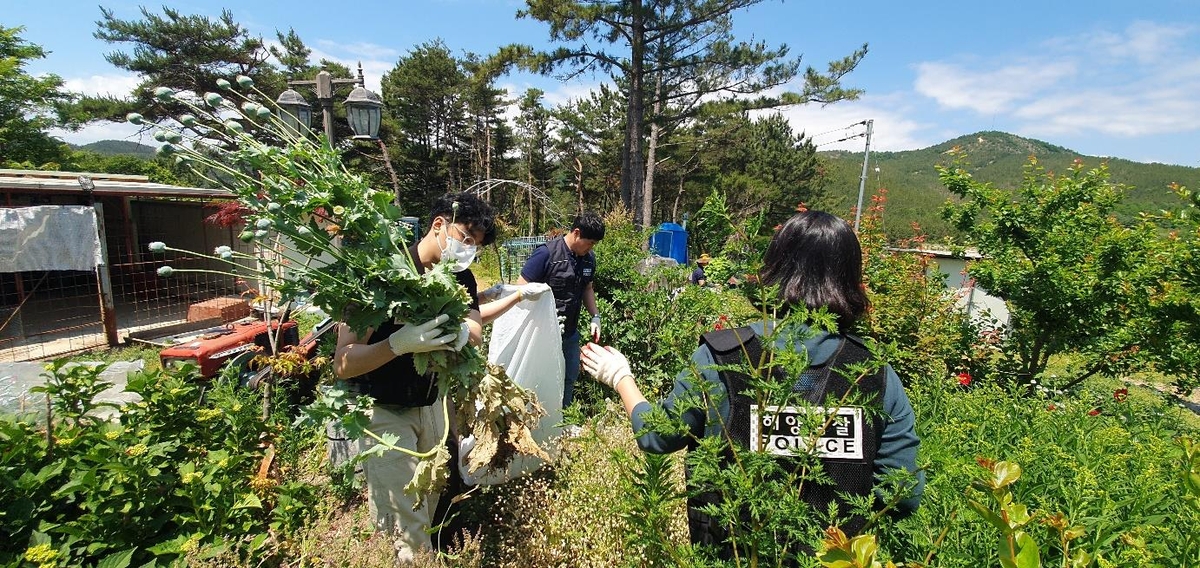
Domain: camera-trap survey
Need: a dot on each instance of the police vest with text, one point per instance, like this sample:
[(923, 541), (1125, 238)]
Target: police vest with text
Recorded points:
[(847, 445)]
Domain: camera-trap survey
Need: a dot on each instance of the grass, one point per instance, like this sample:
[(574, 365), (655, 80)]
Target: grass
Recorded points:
[(148, 354)]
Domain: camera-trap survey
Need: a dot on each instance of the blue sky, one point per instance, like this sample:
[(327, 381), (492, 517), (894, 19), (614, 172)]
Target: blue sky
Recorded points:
[(1102, 77)]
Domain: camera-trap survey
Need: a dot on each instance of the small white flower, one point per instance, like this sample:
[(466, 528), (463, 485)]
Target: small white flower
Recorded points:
[(339, 210), (274, 207), (165, 271), (263, 223), (158, 246), (222, 250), (260, 234)]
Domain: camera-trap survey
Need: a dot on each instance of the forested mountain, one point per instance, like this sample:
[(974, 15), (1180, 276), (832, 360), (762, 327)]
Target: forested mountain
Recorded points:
[(119, 148), (914, 193)]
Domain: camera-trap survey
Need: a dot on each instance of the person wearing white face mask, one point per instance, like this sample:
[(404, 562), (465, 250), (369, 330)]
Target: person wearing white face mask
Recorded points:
[(379, 364)]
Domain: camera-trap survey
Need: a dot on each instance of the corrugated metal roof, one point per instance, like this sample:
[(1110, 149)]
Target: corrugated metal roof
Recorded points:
[(34, 181)]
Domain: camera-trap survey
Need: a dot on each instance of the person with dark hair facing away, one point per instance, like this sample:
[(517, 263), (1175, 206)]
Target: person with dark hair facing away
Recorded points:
[(816, 261), (379, 363), (568, 265), (698, 277)]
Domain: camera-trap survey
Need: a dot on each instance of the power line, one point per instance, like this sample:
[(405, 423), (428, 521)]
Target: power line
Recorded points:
[(851, 137), (847, 127), (842, 129)]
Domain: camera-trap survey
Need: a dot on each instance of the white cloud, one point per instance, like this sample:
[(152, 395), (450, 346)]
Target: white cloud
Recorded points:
[(105, 131), (894, 128), (956, 86), (1142, 41), (375, 59), (119, 86), (1139, 81), (1137, 112)]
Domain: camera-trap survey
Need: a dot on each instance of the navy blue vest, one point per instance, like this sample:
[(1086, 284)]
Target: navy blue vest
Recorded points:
[(567, 276)]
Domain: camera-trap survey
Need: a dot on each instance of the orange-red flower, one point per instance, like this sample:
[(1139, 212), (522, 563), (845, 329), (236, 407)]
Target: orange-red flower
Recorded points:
[(964, 379), (1094, 412), (1120, 395)]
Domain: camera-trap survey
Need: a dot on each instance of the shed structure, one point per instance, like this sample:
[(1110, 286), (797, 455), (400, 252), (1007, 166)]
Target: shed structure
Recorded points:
[(50, 306)]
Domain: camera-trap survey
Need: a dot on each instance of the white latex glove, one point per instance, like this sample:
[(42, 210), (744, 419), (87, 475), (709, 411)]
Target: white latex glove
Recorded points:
[(562, 324), (464, 335), (533, 290), (492, 293), (421, 338), (594, 329), (605, 364)]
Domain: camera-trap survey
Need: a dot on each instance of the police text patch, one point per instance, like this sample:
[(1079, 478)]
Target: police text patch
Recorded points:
[(788, 430)]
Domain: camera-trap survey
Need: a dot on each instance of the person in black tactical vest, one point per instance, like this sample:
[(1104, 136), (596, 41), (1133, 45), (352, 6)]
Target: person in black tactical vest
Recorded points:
[(568, 265), (816, 260), (379, 364)]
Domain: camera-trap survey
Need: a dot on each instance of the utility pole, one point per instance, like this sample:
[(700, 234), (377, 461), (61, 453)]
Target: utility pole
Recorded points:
[(862, 180)]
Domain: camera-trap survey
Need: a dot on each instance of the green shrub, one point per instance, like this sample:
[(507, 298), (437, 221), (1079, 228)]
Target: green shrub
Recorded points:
[(1106, 460), (179, 471)]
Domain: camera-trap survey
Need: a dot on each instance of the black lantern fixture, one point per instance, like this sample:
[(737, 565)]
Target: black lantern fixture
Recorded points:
[(296, 111), (364, 110)]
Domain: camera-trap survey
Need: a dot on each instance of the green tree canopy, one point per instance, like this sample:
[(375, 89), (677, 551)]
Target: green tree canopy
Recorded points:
[(1075, 278), (674, 54), (28, 105), (187, 53)]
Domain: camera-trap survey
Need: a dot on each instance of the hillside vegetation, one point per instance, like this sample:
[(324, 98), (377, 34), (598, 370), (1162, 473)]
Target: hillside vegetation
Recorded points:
[(119, 148), (916, 196)]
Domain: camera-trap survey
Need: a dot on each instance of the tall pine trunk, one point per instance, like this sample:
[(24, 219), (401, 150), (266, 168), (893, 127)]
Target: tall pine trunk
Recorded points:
[(633, 173), (651, 152)]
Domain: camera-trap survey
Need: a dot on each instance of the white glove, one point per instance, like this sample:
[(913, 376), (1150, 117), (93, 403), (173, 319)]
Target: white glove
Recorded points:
[(562, 324), (533, 290), (492, 293), (421, 338), (464, 335), (605, 364), (594, 329)]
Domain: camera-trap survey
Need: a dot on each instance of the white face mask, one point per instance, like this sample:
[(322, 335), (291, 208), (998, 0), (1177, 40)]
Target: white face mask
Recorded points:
[(459, 254)]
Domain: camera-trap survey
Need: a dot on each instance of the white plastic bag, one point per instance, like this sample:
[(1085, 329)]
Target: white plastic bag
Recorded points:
[(526, 341)]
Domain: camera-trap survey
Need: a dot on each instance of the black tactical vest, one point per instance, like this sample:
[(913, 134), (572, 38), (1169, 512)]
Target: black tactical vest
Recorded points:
[(397, 382), (567, 275), (818, 385)]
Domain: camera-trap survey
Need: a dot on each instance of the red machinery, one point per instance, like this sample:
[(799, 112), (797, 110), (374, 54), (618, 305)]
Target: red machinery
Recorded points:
[(213, 347)]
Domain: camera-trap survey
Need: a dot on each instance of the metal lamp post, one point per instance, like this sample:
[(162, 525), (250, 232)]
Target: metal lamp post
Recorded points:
[(364, 109)]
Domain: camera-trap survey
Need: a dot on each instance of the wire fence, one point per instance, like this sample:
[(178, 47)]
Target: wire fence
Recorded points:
[(514, 254)]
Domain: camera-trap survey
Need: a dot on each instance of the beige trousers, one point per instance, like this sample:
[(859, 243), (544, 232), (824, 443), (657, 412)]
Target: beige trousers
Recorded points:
[(391, 509)]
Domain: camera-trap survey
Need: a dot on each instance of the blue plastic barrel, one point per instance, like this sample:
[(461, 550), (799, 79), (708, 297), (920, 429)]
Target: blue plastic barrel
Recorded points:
[(670, 240)]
